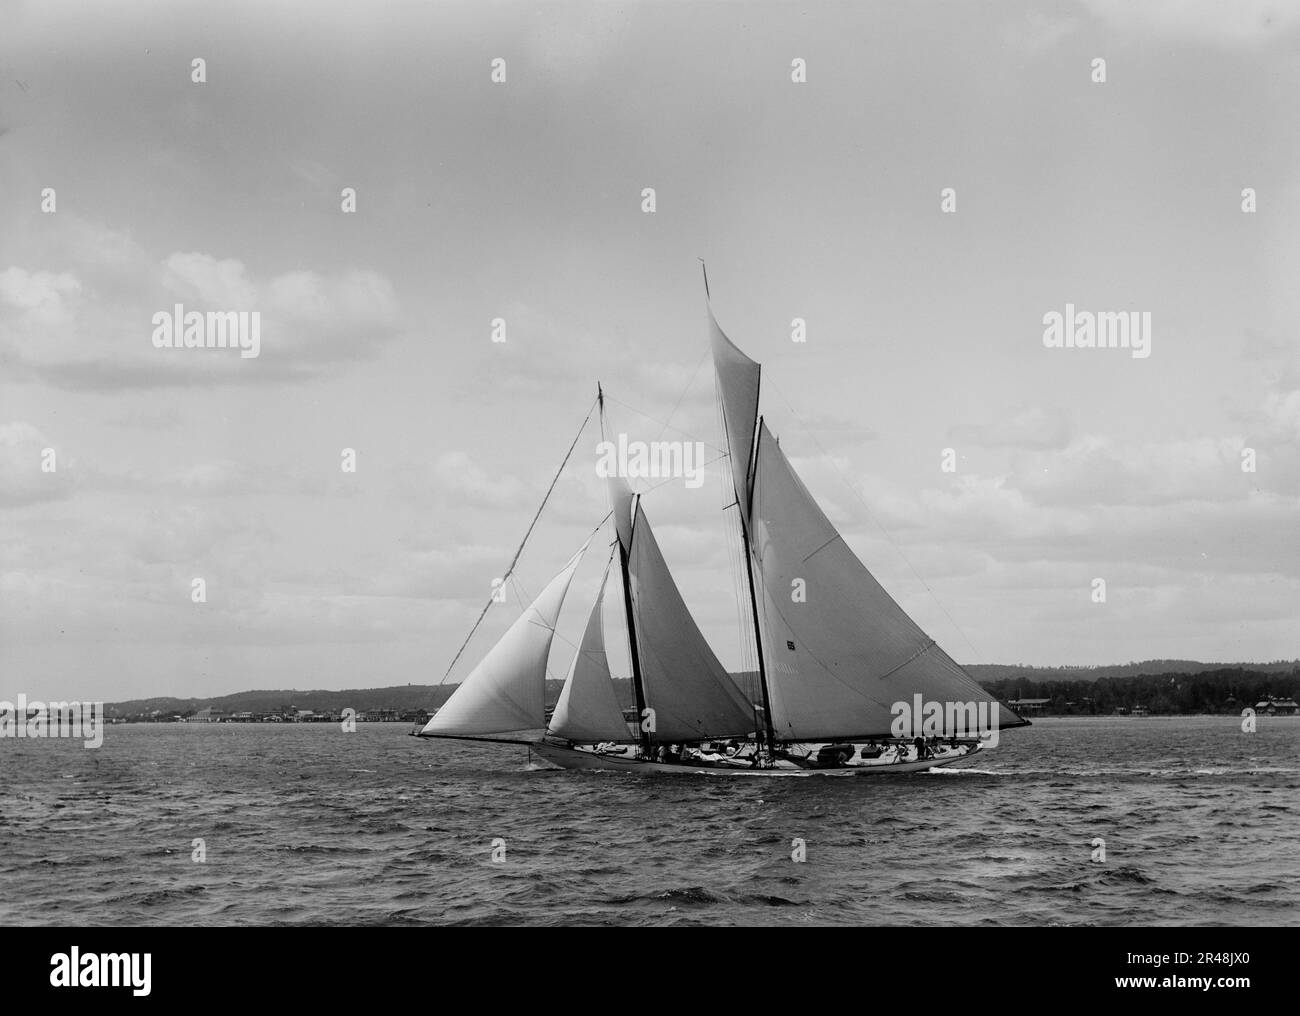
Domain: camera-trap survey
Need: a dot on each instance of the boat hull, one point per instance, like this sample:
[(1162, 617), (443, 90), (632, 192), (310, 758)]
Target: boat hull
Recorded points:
[(573, 758)]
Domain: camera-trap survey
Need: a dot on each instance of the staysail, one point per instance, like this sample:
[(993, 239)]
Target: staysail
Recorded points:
[(588, 708), (842, 652), (507, 690), (689, 690)]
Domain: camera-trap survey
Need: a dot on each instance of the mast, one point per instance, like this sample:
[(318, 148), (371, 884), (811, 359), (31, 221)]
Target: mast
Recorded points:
[(637, 686), (742, 502), (758, 633), (646, 741)]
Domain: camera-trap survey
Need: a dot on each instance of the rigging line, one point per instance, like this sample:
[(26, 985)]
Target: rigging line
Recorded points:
[(515, 560), (520, 591), (722, 454), (575, 647), (870, 514), (524, 596), (677, 405), (666, 426), (671, 479), (555, 631)]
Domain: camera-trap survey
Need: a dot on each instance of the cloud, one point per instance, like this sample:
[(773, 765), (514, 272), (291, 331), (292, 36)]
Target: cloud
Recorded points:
[(456, 479), (22, 480), (837, 429), (225, 478), (1270, 414), (1214, 22), (462, 573), (211, 282), (88, 325), (460, 479), (1037, 32), (1282, 411), (41, 298), (1097, 470), (1033, 427)]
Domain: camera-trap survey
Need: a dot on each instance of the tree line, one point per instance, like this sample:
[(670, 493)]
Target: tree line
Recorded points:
[(1226, 690)]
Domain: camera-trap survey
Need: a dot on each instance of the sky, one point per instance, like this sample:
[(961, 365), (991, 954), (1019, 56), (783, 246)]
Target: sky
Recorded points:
[(522, 200)]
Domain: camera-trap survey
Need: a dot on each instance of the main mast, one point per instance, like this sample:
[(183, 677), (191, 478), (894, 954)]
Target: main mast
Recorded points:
[(638, 686), (758, 633), (742, 502)]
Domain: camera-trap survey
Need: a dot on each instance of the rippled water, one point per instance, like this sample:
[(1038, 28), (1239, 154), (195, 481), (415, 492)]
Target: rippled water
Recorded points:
[(303, 824)]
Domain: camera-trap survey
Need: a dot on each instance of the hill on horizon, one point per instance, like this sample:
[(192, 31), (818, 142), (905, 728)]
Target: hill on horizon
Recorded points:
[(427, 696), (984, 672)]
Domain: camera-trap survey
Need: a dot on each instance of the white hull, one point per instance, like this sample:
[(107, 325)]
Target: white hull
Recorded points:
[(586, 758)]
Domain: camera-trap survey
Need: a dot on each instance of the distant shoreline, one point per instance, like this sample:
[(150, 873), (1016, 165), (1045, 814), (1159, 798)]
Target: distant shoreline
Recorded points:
[(1153, 688), (1233, 717)]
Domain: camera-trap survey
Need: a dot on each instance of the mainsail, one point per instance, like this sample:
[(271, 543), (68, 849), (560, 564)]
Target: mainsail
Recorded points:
[(842, 653), (691, 694), (588, 708), (507, 690)]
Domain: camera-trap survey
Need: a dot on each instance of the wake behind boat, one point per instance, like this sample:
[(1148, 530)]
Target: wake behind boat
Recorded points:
[(848, 684)]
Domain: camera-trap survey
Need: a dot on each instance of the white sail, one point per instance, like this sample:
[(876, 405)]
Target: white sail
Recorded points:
[(620, 499), (691, 694), (507, 690), (841, 652), (588, 708), (738, 378)]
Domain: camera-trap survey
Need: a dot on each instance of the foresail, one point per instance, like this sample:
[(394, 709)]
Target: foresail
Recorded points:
[(691, 694), (507, 690), (841, 651), (588, 708), (738, 379)]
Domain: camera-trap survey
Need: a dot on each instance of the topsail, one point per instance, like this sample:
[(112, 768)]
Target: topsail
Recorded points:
[(738, 378)]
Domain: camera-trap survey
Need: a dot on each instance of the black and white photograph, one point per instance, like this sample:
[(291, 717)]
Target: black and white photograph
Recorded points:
[(650, 465)]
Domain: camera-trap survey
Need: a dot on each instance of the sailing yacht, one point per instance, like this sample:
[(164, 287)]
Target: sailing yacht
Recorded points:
[(848, 683)]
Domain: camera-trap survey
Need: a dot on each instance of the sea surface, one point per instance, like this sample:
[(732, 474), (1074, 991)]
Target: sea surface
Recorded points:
[(303, 824)]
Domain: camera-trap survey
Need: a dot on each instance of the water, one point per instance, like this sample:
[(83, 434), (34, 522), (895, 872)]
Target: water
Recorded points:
[(303, 824)]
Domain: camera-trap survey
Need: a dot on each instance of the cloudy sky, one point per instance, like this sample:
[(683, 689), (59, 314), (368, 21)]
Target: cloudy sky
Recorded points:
[(522, 200)]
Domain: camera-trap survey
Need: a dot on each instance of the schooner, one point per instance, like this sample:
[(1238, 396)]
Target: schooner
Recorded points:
[(848, 683)]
